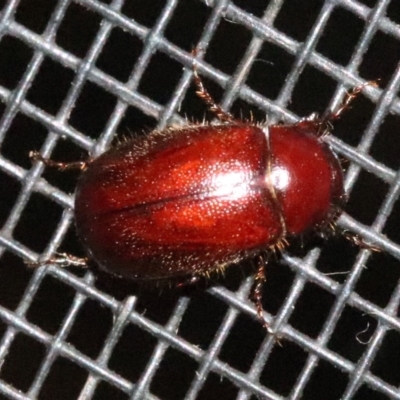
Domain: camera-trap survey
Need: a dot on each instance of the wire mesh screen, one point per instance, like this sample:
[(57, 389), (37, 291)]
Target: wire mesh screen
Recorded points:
[(76, 74)]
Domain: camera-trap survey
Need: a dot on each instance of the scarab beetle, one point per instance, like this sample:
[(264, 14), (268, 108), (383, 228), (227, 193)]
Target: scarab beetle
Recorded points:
[(184, 202)]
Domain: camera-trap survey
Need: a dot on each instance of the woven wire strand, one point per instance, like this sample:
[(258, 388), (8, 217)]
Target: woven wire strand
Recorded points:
[(125, 313)]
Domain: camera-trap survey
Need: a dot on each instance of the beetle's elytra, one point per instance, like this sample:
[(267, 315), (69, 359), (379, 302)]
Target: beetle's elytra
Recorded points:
[(184, 202)]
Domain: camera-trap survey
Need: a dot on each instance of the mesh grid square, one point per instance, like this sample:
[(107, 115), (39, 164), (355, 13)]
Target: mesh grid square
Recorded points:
[(75, 75)]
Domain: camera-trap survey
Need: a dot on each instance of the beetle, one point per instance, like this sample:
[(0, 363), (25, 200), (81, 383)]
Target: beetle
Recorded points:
[(189, 201)]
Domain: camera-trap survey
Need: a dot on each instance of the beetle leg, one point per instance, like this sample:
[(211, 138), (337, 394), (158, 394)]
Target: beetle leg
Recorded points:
[(332, 229), (36, 156), (350, 96), (257, 293), (360, 242), (62, 260), (202, 92)]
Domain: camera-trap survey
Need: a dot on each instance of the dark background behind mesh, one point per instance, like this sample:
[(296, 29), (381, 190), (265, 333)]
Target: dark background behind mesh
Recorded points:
[(74, 74)]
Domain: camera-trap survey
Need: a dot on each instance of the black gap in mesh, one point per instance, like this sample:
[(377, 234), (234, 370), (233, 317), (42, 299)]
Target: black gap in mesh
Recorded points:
[(77, 30), (309, 315), (32, 230), (352, 332), (9, 197), (270, 70), (226, 57), (173, 375), (388, 353), (19, 369), (92, 109), (134, 343), (34, 14), (381, 58), (338, 43), (326, 379), (50, 305), (24, 135), (143, 11), (362, 202), (183, 21), (14, 279), (14, 58), (91, 328), (106, 391), (297, 17), (217, 386), (64, 381), (119, 54), (283, 368), (50, 86)]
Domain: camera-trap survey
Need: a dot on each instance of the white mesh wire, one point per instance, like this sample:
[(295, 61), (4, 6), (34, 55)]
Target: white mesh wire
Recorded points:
[(75, 73)]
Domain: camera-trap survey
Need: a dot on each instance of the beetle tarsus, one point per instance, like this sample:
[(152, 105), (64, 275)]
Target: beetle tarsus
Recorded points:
[(62, 260), (63, 166), (350, 96), (360, 242)]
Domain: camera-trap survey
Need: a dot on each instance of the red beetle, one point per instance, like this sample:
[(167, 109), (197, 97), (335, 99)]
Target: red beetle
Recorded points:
[(192, 200), (185, 202)]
